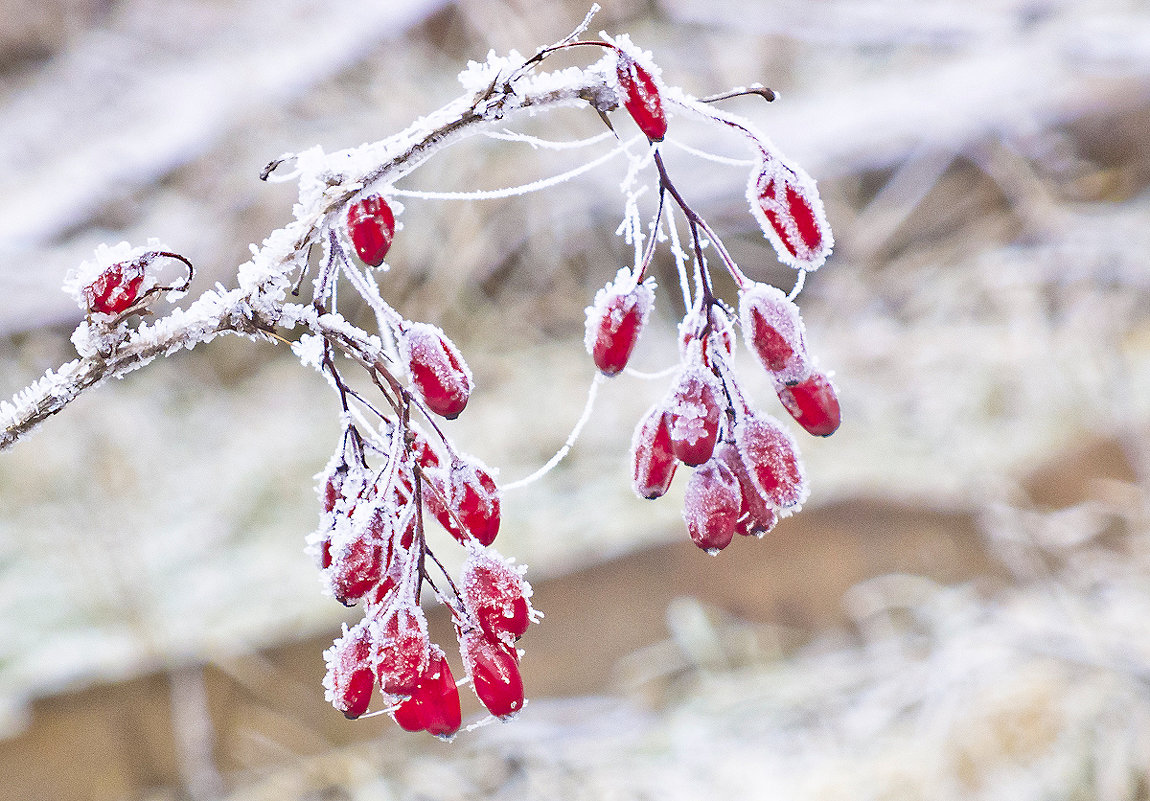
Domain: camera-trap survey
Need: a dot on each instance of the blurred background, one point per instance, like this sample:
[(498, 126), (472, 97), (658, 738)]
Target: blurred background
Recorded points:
[(962, 610)]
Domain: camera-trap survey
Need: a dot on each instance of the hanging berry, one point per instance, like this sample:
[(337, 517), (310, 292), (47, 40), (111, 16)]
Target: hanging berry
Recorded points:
[(772, 461), (350, 679), (472, 501), (641, 96), (786, 203), (711, 505), (404, 649), (440, 376), (652, 454), (497, 595), (813, 404), (695, 413), (774, 332), (434, 702), (615, 320), (494, 671), (371, 228)]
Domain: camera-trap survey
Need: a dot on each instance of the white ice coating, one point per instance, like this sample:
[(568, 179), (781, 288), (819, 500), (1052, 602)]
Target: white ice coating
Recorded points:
[(775, 172), (426, 344), (776, 310), (604, 307), (771, 457), (712, 491)]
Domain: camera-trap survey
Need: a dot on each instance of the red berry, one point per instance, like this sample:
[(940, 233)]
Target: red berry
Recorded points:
[(814, 405), (497, 594), (494, 671), (695, 416), (350, 679), (615, 321), (472, 498), (774, 331), (720, 334), (356, 567), (652, 454), (440, 375), (371, 227), (711, 505), (434, 702), (641, 97), (772, 462), (117, 288), (755, 517), (790, 212), (404, 650)]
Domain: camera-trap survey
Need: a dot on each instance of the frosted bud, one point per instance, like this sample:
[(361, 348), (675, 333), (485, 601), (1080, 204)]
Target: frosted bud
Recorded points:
[(641, 97)]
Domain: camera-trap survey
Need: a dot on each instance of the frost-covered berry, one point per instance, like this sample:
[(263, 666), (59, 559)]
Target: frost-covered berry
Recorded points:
[(349, 678), (438, 372), (695, 413), (403, 649), (711, 505), (472, 501), (813, 404), (616, 319), (756, 518), (497, 593), (772, 461), (371, 227), (434, 702), (117, 288), (356, 567), (641, 97), (494, 671), (787, 205), (719, 338), (653, 457), (774, 332)]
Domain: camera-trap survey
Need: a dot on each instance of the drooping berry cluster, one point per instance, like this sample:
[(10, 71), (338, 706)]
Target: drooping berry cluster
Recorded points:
[(378, 490), (746, 468)]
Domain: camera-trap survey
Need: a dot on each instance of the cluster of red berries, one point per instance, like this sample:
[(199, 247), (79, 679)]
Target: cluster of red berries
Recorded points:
[(746, 468), (371, 544)]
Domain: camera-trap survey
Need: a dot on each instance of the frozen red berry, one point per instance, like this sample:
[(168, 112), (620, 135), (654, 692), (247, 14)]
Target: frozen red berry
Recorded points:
[(641, 97), (756, 518), (772, 461), (356, 567), (719, 335), (497, 594), (652, 455), (695, 413), (434, 702), (350, 679), (494, 670), (371, 227), (117, 288), (813, 404), (470, 505), (403, 649), (438, 372), (615, 321), (774, 331), (711, 505), (787, 205)]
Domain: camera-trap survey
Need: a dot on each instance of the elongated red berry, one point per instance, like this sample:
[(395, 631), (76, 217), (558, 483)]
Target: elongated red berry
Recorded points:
[(756, 518), (403, 650), (615, 320), (772, 462), (472, 501), (774, 332), (438, 372), (497, 594), (711, 505), (349, 678), (720, 336), (641, 97), (813, 404), (494, 671), (371, 227), (356, 567), (434, 703), (695, 413), (652, 455), (117, 288), (787, 205)]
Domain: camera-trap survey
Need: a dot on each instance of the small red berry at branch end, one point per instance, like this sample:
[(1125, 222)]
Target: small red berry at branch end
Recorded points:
[(440, 376), (616, 319), (371, 228), (494, 671), (814, 404), (117, 288), (641, 97), (433, 705), (652, 454)]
